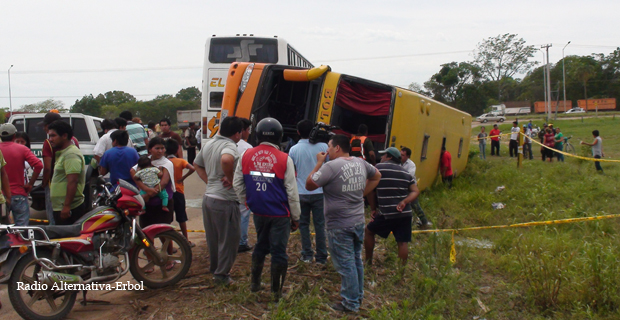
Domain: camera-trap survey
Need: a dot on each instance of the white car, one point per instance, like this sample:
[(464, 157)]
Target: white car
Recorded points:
[(576, 110), (490, 117)]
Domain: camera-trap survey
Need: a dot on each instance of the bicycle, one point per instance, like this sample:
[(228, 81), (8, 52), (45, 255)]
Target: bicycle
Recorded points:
[(568, 147)]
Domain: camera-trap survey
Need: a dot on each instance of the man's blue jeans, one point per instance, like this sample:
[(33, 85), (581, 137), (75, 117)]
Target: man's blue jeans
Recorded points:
[(245, 223), (312, 203), (482, 147), (21, 210), (345, 247)]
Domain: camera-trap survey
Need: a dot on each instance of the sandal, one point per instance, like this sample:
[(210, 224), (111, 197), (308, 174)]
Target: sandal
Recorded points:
[(170, 265)]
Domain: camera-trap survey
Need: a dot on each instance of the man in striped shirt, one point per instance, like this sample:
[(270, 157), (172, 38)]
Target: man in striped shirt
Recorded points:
[(392, 197)]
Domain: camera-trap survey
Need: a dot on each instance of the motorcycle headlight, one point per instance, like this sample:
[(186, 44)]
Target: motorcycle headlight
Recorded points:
[(246, 77)]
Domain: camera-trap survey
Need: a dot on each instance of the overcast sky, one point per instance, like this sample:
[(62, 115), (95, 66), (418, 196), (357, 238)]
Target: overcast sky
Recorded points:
[(67, 49)]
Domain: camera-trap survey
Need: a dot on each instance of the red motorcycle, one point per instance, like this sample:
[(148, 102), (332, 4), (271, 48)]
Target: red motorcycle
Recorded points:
[(46, 266)]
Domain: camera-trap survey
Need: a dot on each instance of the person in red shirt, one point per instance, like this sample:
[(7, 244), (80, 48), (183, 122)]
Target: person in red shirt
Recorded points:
[(49, 157), (16, 155), (445, 167), (495, 140)]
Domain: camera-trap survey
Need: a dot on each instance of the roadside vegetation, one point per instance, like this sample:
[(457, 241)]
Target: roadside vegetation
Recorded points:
[(566, 271)]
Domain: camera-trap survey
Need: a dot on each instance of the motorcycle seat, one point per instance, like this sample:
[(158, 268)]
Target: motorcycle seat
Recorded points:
[(57, 232)]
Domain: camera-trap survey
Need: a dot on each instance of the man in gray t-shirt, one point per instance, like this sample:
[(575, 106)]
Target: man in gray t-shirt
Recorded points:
[(345, 181), (215, 165)]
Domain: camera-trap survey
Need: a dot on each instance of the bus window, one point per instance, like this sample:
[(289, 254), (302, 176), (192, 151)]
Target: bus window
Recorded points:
[(424, 147), (215, 99), (239, 49), (80, 132)]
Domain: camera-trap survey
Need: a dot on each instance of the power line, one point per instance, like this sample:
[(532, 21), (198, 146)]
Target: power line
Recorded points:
[(54, 96), (399, 56)]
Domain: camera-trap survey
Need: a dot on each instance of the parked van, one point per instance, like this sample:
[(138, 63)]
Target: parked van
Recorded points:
[(86, 129)]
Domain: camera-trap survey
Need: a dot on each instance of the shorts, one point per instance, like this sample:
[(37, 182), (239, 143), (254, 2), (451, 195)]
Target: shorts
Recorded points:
[(179, 207), (400, 227)]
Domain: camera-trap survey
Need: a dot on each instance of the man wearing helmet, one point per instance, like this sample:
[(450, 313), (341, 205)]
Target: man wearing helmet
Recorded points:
[(265, 180)]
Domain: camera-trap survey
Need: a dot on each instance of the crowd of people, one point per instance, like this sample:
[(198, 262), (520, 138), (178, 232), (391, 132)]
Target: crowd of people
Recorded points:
[(282, 191), (551, 137)]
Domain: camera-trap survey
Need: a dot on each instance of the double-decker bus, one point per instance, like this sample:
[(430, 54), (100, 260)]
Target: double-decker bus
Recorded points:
[(221, 51), (395, 117)]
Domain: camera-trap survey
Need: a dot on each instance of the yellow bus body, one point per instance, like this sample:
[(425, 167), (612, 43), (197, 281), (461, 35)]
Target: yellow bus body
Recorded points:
[(414, 121)]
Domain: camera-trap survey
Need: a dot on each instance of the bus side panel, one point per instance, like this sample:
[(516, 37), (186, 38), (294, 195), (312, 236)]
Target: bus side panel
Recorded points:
[(244, 107), (416, 117), (328, 96)]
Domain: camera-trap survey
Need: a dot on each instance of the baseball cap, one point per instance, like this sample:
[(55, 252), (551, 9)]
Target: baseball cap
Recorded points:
[(392, 151), (7, 130), (49, 118)]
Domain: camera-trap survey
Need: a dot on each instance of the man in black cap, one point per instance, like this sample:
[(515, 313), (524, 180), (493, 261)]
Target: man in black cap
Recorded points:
[(49, 157)]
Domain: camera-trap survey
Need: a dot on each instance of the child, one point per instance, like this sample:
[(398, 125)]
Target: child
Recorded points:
[(151, 176), (172, 147)]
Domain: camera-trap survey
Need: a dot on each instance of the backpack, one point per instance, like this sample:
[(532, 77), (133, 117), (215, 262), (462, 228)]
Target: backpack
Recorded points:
[(357, 146)]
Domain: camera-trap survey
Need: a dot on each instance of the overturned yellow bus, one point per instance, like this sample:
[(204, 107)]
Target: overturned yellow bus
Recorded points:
[(395, 116)]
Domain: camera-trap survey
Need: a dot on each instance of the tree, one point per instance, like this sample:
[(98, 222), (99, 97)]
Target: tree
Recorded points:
[(189, 94), (115, 97), (584, 70), (416, 87), (459, 85), (503, 57), (43, 106), (87, 105)]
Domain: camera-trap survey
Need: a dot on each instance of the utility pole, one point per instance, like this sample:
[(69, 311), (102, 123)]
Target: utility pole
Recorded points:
[(548, 103), (10, 99), (544, 82), (564, 77)]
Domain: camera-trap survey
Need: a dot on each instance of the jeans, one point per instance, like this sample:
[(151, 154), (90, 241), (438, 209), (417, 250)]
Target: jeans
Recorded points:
[(513, 147), (48, 206), (345, 247), (415, 205), (494, 146), (245, 223), (314, 203), (21, 210), (559, 155), (597, 164), (272, 237), (527, 150), (482, 147)]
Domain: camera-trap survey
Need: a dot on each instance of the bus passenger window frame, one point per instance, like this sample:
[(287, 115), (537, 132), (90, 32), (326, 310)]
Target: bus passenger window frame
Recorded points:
[(424, 152), (460, 147)]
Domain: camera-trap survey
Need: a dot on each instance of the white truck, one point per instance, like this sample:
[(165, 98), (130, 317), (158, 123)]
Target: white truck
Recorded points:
[(184, 117), (501, 110)]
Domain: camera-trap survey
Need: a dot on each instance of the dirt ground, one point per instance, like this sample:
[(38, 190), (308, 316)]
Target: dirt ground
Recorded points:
[(122, 302)]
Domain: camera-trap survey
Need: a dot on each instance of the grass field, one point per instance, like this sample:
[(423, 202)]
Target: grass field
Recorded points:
[(568, 271)]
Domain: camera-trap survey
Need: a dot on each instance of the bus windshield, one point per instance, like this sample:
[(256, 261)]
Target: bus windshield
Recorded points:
[(239, 49)]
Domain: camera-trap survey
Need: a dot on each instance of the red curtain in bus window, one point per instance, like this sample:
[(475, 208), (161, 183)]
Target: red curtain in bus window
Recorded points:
[(363, 99)]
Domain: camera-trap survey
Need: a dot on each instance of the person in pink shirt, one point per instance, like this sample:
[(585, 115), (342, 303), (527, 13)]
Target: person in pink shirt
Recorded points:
[(16, 155)]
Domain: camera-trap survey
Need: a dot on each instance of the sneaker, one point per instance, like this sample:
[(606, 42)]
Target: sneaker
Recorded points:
[(244, 248), (306, 260), (340, 308)]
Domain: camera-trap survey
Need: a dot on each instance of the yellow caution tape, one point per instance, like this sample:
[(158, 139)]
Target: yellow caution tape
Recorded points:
[(39, 220), (571, 155), (514, 225), (489, 137)]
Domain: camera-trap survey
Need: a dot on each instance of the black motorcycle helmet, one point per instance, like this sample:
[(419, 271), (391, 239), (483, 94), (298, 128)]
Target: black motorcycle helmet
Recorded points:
[(269, 130)]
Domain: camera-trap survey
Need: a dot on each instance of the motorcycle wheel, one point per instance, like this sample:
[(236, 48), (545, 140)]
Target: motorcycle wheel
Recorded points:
[(47, 304), (175, 266)]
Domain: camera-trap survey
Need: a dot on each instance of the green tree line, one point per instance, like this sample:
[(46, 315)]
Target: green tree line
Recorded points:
[(490, 78), (112, 103)]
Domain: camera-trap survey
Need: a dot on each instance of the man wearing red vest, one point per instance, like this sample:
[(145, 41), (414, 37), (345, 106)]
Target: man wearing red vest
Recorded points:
[(265, 181), (361, 145)]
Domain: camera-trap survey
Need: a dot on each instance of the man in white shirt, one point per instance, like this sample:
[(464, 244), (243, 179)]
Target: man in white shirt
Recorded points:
[(105, 142), (405, 159), (514, 135)]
